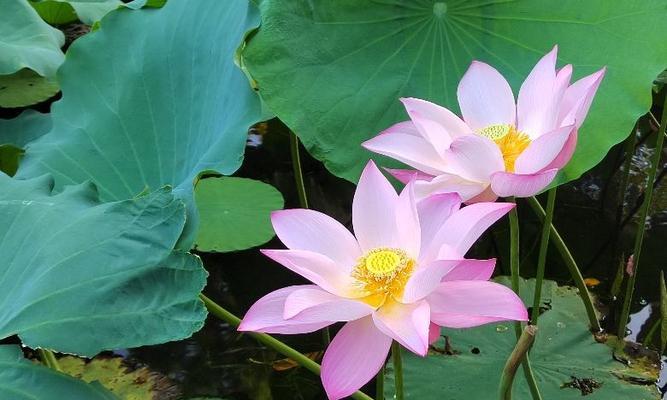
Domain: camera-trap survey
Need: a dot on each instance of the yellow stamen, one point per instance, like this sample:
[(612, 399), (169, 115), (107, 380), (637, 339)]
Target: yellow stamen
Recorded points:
[(510, 141), (383, 273)]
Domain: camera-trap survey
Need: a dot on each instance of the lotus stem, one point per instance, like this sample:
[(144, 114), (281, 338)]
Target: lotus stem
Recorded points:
[(268, 340), (398, 369), (575, 273), (514, 268), (379, 384), (49, 359), (519, 354), (639, 239), (542, 256)]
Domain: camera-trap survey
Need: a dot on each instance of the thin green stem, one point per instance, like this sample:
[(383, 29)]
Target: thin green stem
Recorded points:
[(398, 369), (268, 340), (49, 359), (519, 354), (639, 239), (571, 265), (542, 256), (379, 384), (514, 269)]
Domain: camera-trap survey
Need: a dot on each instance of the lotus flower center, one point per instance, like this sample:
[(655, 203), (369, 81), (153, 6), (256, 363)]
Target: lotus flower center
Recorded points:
[(510, 141), (383, 272)]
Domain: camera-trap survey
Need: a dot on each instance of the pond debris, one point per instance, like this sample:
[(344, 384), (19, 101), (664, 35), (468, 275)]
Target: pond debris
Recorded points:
[(447, 350), (591, 282), (585, 385)]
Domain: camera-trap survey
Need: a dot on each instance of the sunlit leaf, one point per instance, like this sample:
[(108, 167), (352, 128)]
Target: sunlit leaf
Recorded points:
[(24, 88)]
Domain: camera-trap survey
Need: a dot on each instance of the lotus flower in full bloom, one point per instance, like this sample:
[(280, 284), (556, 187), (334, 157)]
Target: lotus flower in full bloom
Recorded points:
[(400, 277), (499, 148)]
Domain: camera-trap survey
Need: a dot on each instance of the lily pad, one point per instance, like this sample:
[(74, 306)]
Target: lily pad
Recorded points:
[(564, 358), (125, 383), (79, 277), (21, 130), (334, 73), (161, 103), (21, 379), (87, 11), (24, 88), (235, 213)]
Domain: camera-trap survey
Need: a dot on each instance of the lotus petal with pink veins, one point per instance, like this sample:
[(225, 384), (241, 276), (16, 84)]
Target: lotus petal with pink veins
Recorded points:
[(402, 272), (500, 147)]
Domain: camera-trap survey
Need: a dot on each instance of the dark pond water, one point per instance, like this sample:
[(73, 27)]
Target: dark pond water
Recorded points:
[(596, 217)]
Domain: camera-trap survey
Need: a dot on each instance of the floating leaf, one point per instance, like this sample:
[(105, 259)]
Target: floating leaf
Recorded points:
[(9, 158), (235, 213), (564, 355), (78, 276), (28, 126), (24, 88), (27, 41), (126, 383), (334, 73), (21, 379), (161, 103), (87, 11)]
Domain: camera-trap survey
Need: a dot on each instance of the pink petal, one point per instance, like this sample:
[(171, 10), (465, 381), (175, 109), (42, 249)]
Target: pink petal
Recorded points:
[(412, 150), (543, 151), (566, 152), (474, 158), (407, 220), (486, 196), (317, 268), (406, 323), (374, 210), (315, 304), (266, 315), (426, 279), (448, 183), (353, 358), (433, 333), (563, 77), (406, 175), (433, 212), (464, 304), (314, 231), (451, 124), (465, 226), (485, 97), (471, 270), (579, 97), (506, 184), (536, 104), (432, 132)]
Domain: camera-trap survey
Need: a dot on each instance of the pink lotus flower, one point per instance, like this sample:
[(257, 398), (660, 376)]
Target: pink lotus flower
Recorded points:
[(501, 149), (402, 276)]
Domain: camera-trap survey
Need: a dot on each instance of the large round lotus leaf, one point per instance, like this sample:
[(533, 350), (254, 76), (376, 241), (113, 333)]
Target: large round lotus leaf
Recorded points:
[(24, 88), (564, 349), (87, 11), (27, 41), (78, 276), (333, 70), (235, 213), (21, 379), (21, 130), (128, 384), (162, 102)]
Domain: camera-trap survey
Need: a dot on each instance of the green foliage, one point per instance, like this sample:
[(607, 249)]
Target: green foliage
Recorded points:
[(28, 126), (89, 12), (334, 73), (161, 103), (563, 349), (78, 276), (21, 379), (235, 213), (663, 313), (24, 88)]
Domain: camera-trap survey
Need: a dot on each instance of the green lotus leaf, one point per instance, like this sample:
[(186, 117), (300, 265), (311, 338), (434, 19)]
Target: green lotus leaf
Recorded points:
[(564, 355), (235, 213), (27, 41), (334, 72), (80, 276), (58, 12), (21, 379), (24, 88), (21, 130), (161, 103)]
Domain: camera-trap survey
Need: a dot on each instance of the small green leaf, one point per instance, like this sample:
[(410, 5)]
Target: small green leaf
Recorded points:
[(9, 158), (21, 379), (564, 349), (235, 213), (79, 277), (24, 88)]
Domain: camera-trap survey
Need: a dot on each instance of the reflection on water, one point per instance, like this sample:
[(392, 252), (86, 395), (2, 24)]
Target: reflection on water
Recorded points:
[(219, 362)]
